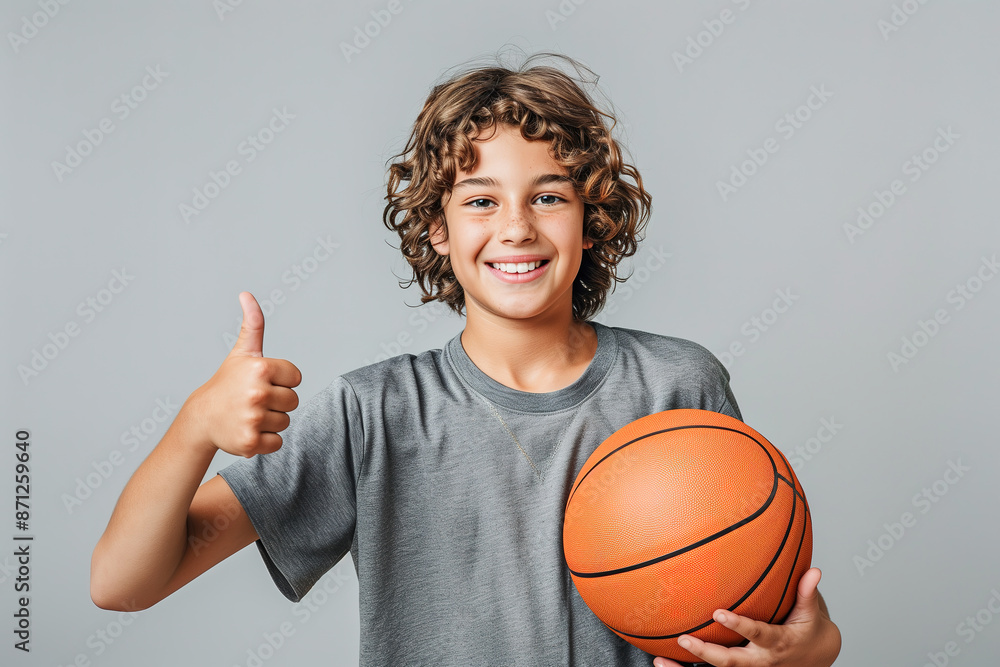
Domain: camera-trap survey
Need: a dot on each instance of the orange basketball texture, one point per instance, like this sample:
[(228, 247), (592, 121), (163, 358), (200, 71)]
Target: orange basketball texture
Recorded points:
[(678, 514)]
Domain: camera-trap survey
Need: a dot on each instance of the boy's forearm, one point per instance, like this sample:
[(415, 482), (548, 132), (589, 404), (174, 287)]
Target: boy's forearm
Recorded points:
[(147, 533)]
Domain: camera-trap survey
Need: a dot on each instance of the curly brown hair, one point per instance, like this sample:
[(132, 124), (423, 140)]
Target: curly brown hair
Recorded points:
[(546, 104)]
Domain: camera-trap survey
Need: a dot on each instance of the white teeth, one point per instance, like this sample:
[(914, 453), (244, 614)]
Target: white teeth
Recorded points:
[(522, 267)]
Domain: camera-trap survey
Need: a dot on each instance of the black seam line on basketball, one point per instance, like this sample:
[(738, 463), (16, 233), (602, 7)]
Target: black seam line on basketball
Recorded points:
[(710, 538), (702, 542), (666, 430), (788, 466), (798, 549), (647, 435), (795, 562), (767, 570), (791, 473), (678, 634), (792, 484)]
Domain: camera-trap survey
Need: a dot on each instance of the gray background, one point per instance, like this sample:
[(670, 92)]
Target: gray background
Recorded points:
[(826, 357)]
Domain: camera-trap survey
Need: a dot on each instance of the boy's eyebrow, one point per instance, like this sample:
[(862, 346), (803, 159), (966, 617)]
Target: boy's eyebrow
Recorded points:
[(489, 182)]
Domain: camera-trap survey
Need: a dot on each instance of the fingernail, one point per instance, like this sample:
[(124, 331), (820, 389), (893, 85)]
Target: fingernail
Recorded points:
[(720, 617), (685, 643)]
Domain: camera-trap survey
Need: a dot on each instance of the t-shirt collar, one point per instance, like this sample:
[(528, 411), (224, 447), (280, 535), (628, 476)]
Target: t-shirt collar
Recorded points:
[(524, 401)]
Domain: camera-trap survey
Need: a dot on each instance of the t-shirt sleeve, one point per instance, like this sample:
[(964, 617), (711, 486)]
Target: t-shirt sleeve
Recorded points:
[(724, 393), (302, 499)]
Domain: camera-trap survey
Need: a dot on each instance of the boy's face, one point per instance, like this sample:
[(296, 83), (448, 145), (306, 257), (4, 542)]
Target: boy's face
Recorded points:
[(517, 206)]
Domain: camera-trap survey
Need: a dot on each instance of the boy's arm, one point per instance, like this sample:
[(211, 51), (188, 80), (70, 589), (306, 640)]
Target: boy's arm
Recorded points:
[(166, 530)]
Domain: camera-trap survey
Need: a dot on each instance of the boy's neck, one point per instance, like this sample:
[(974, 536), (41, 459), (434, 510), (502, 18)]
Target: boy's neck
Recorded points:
[(536, 357)]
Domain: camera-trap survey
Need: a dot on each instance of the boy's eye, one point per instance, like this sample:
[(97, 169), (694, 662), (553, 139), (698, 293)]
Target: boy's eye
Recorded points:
[(545, 200)]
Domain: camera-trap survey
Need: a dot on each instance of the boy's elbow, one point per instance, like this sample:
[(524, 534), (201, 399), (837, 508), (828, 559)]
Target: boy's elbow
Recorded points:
[(101, 599), (107, 599), (104, 593)]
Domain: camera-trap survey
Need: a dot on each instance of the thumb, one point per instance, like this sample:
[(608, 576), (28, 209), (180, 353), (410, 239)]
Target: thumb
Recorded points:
[(807, 599), (251, 340)]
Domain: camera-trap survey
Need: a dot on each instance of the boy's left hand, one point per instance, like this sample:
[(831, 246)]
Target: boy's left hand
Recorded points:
[(807, 638)]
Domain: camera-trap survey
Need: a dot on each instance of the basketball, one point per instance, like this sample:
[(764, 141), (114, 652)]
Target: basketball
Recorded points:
[(678, 514)]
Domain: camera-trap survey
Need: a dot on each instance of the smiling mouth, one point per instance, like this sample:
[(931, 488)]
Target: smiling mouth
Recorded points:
[(521, 267)]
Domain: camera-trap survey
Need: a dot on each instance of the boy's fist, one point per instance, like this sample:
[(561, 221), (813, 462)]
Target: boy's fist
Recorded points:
[(244, 405)]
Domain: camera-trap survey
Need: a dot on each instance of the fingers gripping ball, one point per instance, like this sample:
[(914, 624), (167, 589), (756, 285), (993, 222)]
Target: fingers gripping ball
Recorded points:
[(681, 513)]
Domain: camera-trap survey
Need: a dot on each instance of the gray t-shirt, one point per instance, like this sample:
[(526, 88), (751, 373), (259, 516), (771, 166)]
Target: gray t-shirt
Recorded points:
[(448, 488)]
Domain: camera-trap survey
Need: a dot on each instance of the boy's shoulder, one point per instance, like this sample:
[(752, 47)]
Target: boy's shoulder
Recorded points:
[(672, 350), (397, 372), (673, 366)]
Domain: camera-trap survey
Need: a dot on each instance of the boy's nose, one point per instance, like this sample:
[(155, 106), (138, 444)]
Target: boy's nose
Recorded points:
[(516, 225)]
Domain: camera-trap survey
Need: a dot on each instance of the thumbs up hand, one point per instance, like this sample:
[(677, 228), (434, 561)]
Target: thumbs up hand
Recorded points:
[(244, 406)]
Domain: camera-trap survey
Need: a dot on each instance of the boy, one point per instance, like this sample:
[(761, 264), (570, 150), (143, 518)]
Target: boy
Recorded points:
[(445, 474)]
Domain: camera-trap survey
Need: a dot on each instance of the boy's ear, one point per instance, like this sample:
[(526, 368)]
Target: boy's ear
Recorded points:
[(436, 233), (587, 243)]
